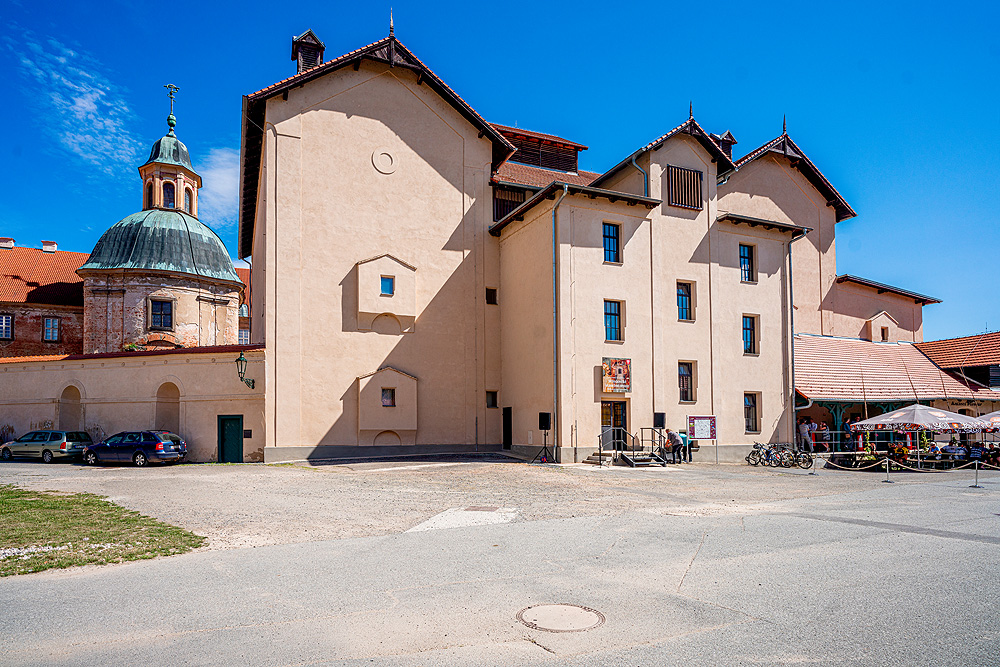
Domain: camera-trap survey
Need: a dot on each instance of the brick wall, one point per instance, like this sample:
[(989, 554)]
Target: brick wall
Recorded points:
[(29, 323)]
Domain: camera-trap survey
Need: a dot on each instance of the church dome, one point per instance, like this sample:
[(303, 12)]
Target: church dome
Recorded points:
[(170, 150), (163, 240)]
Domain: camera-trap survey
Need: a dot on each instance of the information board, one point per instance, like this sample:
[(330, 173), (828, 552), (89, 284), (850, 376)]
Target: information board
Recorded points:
[(701, 427), (617, 375)]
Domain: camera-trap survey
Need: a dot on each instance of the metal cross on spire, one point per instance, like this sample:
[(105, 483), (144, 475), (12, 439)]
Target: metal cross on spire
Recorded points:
[(171, 119)]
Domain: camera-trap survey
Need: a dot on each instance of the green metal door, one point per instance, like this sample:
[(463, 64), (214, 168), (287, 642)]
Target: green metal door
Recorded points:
[(230, 438)]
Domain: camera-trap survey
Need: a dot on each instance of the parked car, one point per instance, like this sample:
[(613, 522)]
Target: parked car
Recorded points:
[(47, 445), (139, 447)]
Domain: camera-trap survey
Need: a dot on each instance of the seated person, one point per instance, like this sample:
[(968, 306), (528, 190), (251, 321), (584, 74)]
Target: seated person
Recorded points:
[(934, 451)]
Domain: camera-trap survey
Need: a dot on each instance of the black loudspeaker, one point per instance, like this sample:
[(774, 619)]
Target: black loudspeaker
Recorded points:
[(544, 421), (659, 420)]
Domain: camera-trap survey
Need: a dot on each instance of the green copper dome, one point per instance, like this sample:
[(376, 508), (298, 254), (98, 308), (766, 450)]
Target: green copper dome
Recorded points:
[(163, 240), (170, 150)]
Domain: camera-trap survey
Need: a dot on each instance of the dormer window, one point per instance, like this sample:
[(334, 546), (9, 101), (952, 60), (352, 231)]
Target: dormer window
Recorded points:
[(187, 200), (168, 195)]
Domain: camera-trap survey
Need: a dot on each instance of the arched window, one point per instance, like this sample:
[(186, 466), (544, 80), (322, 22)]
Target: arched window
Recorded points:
[(187, 200), (149, 195), (168, 195)]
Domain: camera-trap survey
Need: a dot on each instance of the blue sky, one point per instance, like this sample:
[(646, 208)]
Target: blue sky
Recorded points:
[(897, 103)]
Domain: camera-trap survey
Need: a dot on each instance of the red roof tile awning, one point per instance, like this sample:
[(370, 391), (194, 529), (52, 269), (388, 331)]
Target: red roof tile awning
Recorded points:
[(849, 369)]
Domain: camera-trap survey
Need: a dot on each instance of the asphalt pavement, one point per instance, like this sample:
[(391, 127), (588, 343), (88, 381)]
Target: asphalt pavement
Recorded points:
[(851, 572)]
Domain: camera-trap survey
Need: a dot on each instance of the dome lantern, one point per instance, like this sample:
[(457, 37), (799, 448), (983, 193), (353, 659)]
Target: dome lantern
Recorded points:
[(169, 180)]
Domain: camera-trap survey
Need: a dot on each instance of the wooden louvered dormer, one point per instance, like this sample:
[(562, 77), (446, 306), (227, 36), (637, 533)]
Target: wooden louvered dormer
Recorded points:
[(307, 51)]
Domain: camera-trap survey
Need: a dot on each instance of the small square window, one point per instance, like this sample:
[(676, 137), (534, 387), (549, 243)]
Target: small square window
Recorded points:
[(6, 327), (51, 332), (388, 285), (388, 397), (161, 314), (491, 399), (491, 296)]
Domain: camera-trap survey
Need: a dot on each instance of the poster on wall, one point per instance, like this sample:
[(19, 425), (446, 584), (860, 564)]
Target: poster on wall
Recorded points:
[(701, 427), (617, 375)]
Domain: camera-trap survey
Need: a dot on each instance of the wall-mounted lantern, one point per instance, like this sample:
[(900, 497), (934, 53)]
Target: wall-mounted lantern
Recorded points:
[(241, 370)]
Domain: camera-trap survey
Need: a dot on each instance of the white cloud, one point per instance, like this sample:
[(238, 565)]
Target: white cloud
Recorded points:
[(85, 113), (218, 199)]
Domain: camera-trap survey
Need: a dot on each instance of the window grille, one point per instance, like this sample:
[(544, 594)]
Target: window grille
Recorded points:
[(684, 187), (51, 332), (612, 243), (749, 334), (748, 268), (684, 311), (536, 153), (612, 320), (162, 315), (750, 413), (685, 376), (505, 200)]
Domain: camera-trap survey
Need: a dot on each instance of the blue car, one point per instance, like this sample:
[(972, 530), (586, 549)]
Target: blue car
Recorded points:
[(139, 447)]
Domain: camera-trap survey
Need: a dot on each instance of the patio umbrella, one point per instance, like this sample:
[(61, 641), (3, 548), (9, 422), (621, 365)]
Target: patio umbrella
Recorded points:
[(992, 418), (918, 417)]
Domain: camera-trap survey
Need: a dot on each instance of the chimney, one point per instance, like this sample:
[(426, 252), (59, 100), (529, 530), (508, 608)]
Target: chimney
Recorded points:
[(307, 51), (49, 246), (6, 243)]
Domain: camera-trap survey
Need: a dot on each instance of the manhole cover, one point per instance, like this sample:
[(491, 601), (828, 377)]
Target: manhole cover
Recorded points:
[(561, 617)]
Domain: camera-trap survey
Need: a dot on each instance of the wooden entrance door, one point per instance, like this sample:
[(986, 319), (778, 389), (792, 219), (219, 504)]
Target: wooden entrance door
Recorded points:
[(230, 438)]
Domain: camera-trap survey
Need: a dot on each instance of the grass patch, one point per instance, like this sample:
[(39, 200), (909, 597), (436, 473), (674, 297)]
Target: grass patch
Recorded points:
[(44, 530)]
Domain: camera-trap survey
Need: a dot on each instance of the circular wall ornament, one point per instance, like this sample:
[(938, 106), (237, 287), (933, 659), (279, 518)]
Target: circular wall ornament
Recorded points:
[(383, 161)]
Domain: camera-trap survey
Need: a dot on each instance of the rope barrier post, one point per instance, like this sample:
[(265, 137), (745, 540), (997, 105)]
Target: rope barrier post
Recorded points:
[(887, 480), (976, 485)]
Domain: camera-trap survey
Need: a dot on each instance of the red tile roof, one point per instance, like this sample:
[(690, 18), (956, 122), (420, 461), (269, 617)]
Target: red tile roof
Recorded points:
[(981, 350), (29, 275), (849, 369), (784, 145), (211, 349), (539, 177), (507, 131)]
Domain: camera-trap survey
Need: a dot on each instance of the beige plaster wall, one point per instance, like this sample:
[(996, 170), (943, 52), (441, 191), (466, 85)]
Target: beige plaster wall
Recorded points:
[(526, 317), (855, 305), (119, 393), (325, 206), (401, 304), (771, 189)]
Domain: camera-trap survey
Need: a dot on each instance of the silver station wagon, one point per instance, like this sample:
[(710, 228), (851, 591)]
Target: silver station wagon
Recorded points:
[(47, 445)]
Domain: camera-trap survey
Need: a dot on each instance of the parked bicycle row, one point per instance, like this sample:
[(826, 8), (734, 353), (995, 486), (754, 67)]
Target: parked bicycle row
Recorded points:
[(779, 455)]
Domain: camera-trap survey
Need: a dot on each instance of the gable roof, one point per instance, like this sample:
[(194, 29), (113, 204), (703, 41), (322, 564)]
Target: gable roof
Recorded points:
[(30, 275), (881, 288), (880, 314), (690, 127), (784, 146), (516, 173), (388, 50), (506, 130), (386, 368), (549, 191), (980, 350), (850, 369), (393, 258)]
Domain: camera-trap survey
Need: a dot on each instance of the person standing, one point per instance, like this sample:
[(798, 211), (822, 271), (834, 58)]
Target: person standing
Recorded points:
[(676, 446), (805, 435)]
